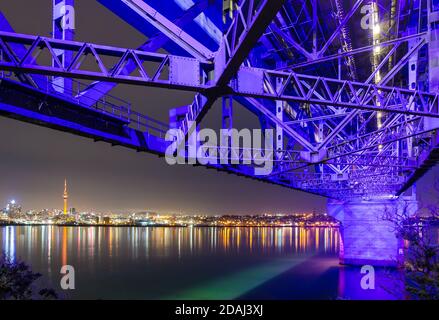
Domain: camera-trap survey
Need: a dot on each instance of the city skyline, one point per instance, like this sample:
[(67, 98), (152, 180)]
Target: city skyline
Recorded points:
[(67, 209), (53, 201)]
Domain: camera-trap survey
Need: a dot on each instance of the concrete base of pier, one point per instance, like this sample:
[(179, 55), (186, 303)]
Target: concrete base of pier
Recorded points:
[(366, 237)]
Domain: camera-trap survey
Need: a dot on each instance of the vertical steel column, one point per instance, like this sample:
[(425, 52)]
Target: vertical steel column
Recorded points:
[(227, 113), (413, 28), (433, 56), (227, 120), (321, 137), (433, 47), (376, 39), (176, 115), (314, 26), (279, 115), (63, 25)]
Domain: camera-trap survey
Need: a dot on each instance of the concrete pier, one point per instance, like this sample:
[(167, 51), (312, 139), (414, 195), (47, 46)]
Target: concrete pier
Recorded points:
[(366, 237)]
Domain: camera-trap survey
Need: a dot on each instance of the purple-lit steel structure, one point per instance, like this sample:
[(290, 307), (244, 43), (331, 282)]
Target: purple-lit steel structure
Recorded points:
[(351, 88)]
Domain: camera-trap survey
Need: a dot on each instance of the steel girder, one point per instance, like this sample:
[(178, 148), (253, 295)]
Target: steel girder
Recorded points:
[(330, 100), (341, 131), (35, 81), (170, 30), (251, 19), (40, 43), (298, 88), (151, 66), (352, 52)]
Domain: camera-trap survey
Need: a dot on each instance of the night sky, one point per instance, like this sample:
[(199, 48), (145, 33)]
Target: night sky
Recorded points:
[(35, 160)]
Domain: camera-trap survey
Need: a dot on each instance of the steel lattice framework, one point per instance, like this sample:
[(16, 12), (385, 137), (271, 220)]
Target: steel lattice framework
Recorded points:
[(348, 86)]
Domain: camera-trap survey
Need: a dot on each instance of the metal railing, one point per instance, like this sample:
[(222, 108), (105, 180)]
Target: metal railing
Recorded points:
[(107, 104), (144, 123)]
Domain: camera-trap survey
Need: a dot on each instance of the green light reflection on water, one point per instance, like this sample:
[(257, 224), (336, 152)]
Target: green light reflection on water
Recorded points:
[(237, 284)]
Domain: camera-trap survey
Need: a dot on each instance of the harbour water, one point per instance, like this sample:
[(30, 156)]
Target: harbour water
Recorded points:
[(194, 263)]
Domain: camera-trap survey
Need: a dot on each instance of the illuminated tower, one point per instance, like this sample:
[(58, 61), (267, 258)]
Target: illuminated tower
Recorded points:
[(65, 196)]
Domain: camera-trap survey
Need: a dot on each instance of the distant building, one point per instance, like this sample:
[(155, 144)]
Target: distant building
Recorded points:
[(106, 220), (13, 209), (3, 215), (65, 196), (88, 218)]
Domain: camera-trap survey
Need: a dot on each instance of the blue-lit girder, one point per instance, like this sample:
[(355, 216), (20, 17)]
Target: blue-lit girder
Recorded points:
[(351, 127)]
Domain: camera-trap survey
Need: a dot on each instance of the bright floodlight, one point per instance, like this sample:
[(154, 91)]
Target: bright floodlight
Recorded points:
[(376, 29)]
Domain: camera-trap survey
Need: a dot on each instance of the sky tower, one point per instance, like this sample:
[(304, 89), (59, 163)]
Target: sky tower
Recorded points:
[(65, 196)]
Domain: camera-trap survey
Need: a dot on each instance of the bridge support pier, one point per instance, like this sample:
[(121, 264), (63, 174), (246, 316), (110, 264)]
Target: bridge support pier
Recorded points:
[(366, 238)]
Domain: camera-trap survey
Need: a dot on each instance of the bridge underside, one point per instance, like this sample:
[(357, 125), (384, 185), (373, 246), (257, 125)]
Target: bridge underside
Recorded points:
[(350, 89)]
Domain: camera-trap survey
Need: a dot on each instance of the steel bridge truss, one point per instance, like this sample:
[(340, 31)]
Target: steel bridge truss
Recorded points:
[(355, 134)]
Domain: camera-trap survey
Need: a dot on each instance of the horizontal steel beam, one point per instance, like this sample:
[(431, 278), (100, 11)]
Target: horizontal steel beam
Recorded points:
[(353, 52), (97, 89), (348, 94), (155, 69), (251, 82)]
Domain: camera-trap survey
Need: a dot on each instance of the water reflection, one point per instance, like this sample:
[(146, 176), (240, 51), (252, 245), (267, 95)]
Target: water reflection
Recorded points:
[(8, 244), (76, 242)]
